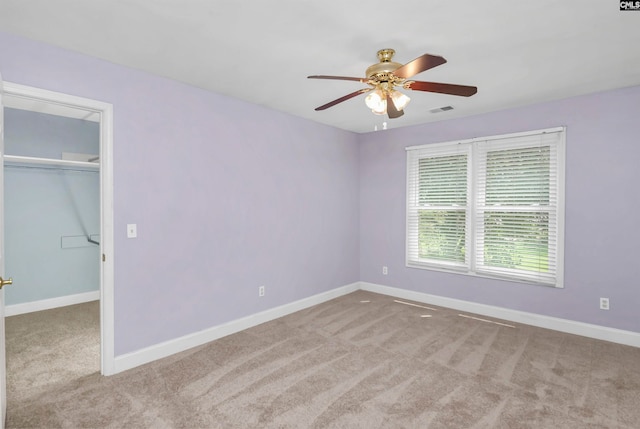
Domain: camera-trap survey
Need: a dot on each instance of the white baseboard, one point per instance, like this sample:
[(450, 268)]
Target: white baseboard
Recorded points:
[(48, 304), (563, 325), (168, 348)]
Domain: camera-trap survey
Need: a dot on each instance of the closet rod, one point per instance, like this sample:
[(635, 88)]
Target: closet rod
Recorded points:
[(49, 161), (50, 167)]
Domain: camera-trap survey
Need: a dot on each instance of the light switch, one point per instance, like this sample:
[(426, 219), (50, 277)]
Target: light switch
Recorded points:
[(132, 230)]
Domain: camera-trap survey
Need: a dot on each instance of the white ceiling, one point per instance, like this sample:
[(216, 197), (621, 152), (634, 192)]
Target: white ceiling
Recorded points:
[(515, 52)]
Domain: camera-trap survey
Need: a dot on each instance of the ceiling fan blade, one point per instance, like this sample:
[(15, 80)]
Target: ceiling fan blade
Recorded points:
[(345, 98), (420, 64), (357, 79), (392, 112), (443, 88)]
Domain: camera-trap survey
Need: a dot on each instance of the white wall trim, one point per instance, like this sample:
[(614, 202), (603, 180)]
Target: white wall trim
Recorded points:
[(168, 348), (598, 332), (48, 304)]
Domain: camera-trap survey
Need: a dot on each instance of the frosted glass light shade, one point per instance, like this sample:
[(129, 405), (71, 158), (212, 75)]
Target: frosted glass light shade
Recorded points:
[(381, 109), (377, 102), (399, 100)]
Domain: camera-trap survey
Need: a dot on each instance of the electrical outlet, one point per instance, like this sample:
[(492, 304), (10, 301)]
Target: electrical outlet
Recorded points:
[(604, 303), (261, 291), (385, 270)]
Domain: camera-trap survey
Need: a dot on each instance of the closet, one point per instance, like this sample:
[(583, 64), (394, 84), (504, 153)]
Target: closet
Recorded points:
[(52, 210)]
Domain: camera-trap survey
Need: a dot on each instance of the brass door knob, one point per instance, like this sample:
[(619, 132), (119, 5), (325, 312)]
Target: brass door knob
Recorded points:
[(4, 282)]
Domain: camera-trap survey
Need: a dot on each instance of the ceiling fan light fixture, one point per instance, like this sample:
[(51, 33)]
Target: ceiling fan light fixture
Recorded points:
[(383, 78), (399, 99)]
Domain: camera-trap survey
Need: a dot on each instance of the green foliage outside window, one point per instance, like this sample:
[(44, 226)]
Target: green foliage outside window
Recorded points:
[(441, 235), (517, 240)]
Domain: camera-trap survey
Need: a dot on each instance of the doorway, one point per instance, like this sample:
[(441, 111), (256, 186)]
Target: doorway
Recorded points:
[(51, 210), (53, 103)]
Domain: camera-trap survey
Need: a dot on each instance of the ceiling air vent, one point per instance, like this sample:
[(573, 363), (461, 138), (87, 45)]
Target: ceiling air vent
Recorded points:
[(441, 109)]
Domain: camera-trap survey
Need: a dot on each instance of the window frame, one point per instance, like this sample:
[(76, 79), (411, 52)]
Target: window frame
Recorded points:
[(472, 148)]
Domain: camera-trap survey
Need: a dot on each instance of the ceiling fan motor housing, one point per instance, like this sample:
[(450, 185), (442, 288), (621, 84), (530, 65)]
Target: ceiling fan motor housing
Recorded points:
[(383, 71)]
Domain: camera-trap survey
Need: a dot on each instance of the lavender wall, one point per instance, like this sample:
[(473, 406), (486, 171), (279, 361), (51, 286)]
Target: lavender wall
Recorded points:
[(602, 206), (227, 196)]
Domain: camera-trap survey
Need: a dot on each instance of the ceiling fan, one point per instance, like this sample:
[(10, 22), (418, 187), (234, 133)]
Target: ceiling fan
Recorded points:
[(385, 76)]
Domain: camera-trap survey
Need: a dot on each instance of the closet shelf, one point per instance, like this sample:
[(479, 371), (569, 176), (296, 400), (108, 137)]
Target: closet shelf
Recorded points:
[(50, 161)]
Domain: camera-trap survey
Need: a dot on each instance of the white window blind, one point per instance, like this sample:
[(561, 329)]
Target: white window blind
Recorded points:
[(491, 207), (439, 206)]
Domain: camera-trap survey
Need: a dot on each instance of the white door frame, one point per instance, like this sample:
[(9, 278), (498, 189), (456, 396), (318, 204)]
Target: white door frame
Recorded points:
[(58, 103), (3, 360)]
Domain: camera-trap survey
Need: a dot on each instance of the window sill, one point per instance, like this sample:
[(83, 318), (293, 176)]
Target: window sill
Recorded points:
[(466, 272)]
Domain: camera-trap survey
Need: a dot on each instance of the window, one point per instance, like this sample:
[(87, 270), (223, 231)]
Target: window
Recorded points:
[(491, 207)]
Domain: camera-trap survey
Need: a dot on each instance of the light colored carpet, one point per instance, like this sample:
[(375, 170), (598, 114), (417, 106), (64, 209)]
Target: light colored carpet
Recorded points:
[(49, 348), (359, 361)]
